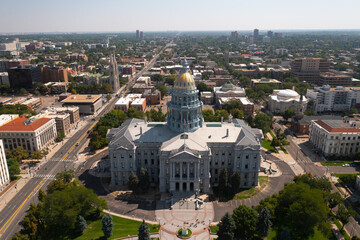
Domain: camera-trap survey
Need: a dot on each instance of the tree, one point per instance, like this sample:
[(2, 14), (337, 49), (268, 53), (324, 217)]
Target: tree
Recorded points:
[(245, 221), (144, 231), (263, 121), (343, 215), (133, 182), (19, 153), (285, 234), (22, 91), (41, 195), (226, 228), (235, 182), (202, 87), (158, 78), (107, 225), (144, 182), (163, 90), (334, 200), (60, 135), (310, 112), (288, 113), (301, 208), (81, 224), (170, 79), (264, 223), (36, 155), (14, 168), (19, 236), (223, 178)]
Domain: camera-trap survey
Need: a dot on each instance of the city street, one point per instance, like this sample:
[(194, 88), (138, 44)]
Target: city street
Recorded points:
[(63, 159)]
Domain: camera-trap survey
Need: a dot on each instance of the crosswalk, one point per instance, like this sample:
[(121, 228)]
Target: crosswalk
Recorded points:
[(46, 176), (61, 160)]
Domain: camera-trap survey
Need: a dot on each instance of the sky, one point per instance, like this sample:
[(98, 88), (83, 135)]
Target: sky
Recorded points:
[(170, 15)]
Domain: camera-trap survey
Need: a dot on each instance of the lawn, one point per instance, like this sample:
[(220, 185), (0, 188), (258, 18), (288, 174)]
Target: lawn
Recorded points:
[(214, 229), (267, 145), (122, 228), (247, 193), (335, 163)]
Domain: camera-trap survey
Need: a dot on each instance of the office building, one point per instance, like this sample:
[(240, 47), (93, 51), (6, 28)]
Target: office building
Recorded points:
[(184, 154), (4, 171), (256, 34), (255, 82), (54, 74), (33, 134), (4, 78), (334, 137), (24, 76), (141, 35), (88, 104), (137, 34), (339, 99), (335, 79), (309, 69)]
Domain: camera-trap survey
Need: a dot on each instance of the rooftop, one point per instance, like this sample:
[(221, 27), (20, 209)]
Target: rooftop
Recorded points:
[(82, 98), (24, 125), (215, 132), (336, 126)]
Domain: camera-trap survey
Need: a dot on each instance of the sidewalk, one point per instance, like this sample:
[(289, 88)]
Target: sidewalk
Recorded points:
[(12, 191), (128, 217), (295, 167)]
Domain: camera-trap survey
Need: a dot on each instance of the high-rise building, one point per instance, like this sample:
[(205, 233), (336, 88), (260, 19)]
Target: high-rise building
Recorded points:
[(256, 33), (53, 74), (137, 34), (234, 36), (24, 76), (141, 35), (270, 34), (4, 171), (114, 73), (309, 69)]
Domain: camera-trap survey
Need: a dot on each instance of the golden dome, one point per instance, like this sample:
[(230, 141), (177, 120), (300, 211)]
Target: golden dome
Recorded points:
[(184, 81)]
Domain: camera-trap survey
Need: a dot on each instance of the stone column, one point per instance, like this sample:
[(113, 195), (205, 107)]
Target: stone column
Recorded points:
[(181, 175), (196, 170), (188, 170)]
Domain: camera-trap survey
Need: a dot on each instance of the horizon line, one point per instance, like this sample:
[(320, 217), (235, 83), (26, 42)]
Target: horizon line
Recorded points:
[(161, 31)]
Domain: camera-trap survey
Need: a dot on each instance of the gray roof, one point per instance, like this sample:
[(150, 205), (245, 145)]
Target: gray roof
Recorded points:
[(307, 119), (128, 135)]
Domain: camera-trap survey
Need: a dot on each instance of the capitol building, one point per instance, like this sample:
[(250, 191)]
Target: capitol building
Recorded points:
[(184, 154)]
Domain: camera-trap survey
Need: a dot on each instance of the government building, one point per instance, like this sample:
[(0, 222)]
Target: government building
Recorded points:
[(184, 154)]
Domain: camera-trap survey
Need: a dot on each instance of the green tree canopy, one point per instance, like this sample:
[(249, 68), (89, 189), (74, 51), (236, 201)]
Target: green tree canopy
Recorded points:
[(226, 228), (245, 220)]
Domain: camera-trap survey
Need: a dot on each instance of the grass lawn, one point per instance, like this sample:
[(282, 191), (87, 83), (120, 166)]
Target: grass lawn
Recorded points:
[(214, 229), (339, 226), (122, 228), (317, 236), (247, 193), (267, 145), (335, 163)]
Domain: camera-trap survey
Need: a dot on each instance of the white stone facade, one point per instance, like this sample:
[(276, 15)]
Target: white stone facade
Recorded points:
[(4, 171), (334, 137)]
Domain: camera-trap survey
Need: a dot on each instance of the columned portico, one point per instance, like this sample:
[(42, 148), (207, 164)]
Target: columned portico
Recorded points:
[(184, 176)]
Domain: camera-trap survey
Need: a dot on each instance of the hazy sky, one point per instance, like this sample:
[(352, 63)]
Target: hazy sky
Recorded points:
[(155, 15)]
